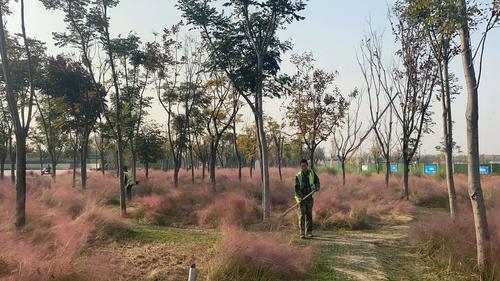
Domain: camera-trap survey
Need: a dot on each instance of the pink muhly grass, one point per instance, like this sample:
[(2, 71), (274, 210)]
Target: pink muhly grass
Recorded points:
[(251, 256), (454, 242), (176, 206), (229, 208), (51, 245), (361, 202)]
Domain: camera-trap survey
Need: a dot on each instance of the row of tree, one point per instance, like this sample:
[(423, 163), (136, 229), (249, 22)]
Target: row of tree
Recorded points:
[(103, 90), (430, 34), (202, 85)]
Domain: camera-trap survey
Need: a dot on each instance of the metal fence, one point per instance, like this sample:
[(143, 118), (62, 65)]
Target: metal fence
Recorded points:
[(397, 168)]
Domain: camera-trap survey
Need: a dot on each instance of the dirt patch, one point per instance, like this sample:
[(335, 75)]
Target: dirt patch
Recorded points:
[(163, 254)]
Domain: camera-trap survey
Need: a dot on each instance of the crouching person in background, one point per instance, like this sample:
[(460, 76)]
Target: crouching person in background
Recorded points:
[(129, 182)]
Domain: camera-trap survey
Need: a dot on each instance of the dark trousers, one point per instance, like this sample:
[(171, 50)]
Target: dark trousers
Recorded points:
[(305, 216), (129, 192)]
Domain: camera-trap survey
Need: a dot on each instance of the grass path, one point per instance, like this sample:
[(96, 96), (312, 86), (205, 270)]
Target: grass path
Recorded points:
[(370, 255), (382, 253)]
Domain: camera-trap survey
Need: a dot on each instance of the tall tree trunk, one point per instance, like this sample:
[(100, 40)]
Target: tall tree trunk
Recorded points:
[(279, 171), (252, 164), (192, 165), (103, 163), (261, 169), (474, 177), (266, 202), (257, 115), (75, 152), (387, 172), (406, 174), (177, 167), (133, 164), (280, 149), (342, 164), (2, 167), (83, 158), (21, 129), (119, 143), (116, 163), (191, 159), (54, 169), (12, 163), (236, 150), (213, 159), (448, 137), (20, 181), (177, 162), (311, 157), (121, 175), (53, 162)]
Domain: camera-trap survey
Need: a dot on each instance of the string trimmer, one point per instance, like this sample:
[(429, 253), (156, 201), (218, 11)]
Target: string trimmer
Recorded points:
[(274, 221), (296, 204)]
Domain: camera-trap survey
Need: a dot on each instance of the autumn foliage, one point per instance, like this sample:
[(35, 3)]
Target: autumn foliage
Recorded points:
[(66, 226)]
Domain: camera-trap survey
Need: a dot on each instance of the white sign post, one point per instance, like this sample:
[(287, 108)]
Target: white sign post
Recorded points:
[(192, 273)]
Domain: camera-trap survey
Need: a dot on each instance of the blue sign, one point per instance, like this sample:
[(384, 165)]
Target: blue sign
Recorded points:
[(430, 169), (485, 169), (394, 167)]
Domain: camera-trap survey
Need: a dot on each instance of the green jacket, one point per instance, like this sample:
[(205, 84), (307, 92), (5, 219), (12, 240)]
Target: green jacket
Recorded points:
[(305, 184), (129, 179)]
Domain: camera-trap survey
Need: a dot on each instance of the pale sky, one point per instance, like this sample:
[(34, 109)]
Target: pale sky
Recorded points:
[(332, 30)]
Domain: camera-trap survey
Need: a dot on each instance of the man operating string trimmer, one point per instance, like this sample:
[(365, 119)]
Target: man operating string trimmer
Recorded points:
[(306, 184)]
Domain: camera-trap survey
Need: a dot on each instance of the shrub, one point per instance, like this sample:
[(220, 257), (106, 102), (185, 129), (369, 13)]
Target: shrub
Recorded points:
[(6, 267), (451, 246), (258, 257), (106, 224), (358, 205), (229, 208), (440, 175), (430, 199), (426, 192), (113, 198), (360, 218), (366, 174), (53, 245), (175, 207)]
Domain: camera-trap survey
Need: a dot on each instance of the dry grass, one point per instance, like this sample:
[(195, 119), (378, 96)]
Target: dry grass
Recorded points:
[(363, 202), (62, 226), (258, 257), (452, 244), (65, 226)]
